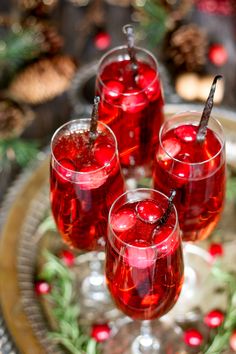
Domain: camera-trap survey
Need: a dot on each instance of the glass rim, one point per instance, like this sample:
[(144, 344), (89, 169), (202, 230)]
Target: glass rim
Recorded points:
[(74, 121), (196, 113), (154, 246), (121, 47)]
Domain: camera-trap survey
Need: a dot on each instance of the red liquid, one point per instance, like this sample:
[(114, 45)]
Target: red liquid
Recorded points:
[(80, 203), (132, 106), (144, 282), (200, 188)]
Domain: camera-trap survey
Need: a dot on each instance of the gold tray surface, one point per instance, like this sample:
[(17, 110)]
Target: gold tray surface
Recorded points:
[(23, 209)]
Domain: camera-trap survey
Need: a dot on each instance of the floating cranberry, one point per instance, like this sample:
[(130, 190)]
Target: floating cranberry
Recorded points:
[(67, 257), (218, 54), (112, 91), (123, 220), (140, 254), (134, 101), (42, 287), (171, 148), (148, 211), (149, 83), (100, 332), (65, 170), (214, 318), (187, 133), (103, 153), (92, 178), (193, 338), (232, 340), (102, 40), (216, 250)]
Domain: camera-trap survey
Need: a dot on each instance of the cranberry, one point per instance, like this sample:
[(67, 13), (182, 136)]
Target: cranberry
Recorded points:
[(42, 287), (161, 233), (134, 101), (149, 83), (92, 179), (218, 54), (193, 338), (65, 170), (187, 133), (148, 211), (112, 91), (123, 220), (67, 257), (214, 318), (103, 153), (140, 255), (171, 148), (216, 250), (100, 332), (102, 40), (232, 340)]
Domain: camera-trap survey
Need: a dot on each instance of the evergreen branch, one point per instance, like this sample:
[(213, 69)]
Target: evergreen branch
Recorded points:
[(65, 309), (221, 339), (17, 149)]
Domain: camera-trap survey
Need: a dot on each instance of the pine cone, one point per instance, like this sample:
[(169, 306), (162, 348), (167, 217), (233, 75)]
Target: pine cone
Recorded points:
[(13, 118), (186, 48), (43, 80), (40, 7)]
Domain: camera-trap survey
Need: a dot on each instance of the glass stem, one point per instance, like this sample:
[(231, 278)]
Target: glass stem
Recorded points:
[(146, 342)]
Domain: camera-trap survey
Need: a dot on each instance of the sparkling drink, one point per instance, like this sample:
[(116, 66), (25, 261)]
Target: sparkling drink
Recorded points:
[(144, 265), (196, 171), (132, 105), (85, 180)]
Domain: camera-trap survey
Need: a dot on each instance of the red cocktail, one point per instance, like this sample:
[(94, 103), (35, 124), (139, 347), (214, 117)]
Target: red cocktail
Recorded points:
[(85, 180), (195, 170), (132, 105), (144, 263), (144, 266)]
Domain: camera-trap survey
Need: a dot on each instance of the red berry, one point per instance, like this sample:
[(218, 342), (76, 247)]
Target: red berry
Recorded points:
[(102, 40), (123, 220), (67, 257), (216, 250), (101, 332), (140, 255), (112, 91), (214, 318), (134, 101), (187, 133), (218, 54), (148, 81), (193, 338), (148, 211), (232, 340), (171, 148), (42, 287), (103, 153)]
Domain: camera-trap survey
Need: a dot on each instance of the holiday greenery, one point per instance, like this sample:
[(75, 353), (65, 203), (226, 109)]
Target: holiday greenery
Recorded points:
[(65, 307), (17, 150)]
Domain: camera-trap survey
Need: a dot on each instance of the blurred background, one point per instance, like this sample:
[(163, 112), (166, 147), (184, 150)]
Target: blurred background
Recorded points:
[(49, 50)]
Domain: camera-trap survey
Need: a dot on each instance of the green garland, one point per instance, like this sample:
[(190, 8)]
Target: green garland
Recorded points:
[(221, 340), (65, 308)]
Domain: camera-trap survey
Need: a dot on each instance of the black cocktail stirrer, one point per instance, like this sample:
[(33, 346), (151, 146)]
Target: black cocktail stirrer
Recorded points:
[(202, 128), (94, 120), (165, 216), (129, 32)]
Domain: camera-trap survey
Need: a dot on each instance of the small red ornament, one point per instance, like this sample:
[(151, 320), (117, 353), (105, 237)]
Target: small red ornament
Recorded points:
[(102, 40), (67, 257), (193, 338), (217, 54), (42, 287), (214, 318), (100, 332), (216, 250), (232, 340)]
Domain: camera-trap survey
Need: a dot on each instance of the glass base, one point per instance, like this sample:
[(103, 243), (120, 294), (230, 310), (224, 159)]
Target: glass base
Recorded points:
[(93, 295), (128, 339)]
